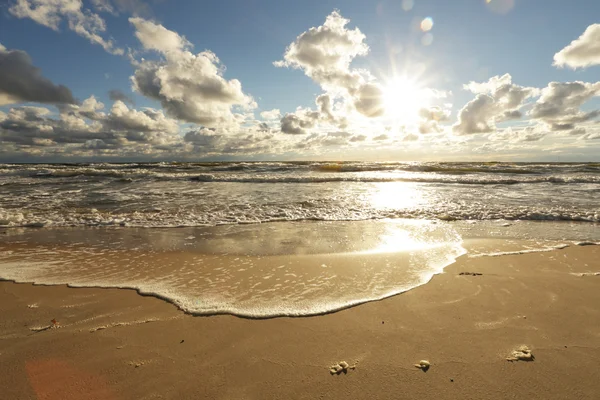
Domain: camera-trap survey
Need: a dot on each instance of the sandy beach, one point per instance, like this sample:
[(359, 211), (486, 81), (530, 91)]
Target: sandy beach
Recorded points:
[(116, 344)]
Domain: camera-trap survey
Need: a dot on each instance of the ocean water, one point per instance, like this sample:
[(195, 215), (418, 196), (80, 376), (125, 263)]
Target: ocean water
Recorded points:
[(205, 194), (271, 239)]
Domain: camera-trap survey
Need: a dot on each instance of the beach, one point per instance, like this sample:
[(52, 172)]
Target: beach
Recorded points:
[(299, 280), (116, 344)]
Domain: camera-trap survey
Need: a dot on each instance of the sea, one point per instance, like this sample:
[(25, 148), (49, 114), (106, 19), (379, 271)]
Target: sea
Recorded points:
[(271, 239)]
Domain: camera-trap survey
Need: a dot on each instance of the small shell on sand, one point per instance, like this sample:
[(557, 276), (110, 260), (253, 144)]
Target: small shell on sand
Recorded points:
[(523, 353), (340, 367), (423, 364)]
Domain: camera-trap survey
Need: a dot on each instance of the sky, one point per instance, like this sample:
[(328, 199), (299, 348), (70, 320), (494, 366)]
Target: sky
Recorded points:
[(167, 80)]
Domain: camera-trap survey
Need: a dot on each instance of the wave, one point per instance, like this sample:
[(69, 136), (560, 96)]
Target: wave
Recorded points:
[(419, 179), (110, 169), (158, 218)]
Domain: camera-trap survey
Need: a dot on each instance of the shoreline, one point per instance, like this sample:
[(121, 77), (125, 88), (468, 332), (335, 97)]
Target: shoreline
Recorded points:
[(466, 326)]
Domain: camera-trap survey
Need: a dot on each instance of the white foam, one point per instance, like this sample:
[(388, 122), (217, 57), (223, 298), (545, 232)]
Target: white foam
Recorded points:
[(517, 252), (248, 286)]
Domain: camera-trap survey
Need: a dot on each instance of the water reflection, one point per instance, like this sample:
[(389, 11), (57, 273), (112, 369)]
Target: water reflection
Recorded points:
[(285, 238), (396, 195)]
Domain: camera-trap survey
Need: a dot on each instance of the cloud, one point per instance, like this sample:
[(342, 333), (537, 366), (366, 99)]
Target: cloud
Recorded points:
[(559, 104), (515, 135), (496, 100), (430, 119), (338, 139), (50, 13), (582, 52), (325, 53), (299, 122), (476, 116), (411, 137), (271, 114), (190, 87), (369, 100), (21, 81), (104, 6), (87, 130), (116, 94), (205, 142), (157, 37), (85, 126), (135, 7), (147, 124), (303, 120), (358, 138), (383, 136)]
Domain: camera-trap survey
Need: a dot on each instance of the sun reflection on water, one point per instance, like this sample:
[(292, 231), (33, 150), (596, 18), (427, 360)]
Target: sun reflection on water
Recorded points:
[(396, 195)]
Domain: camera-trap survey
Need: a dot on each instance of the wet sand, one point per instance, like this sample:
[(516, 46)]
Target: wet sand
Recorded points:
[(116, 344)]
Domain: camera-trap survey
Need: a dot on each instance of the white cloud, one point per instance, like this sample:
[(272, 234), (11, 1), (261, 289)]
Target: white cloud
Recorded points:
[(157, 37), (496, 100), (582, 52), (50, 13), (189, 86), (123, 118), (271, 114), (325, 53)]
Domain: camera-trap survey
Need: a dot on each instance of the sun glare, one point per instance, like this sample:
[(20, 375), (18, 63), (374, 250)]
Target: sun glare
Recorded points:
[(403, 98)]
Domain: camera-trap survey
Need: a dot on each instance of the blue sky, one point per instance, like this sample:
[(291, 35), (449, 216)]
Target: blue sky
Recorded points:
[(470, 41)]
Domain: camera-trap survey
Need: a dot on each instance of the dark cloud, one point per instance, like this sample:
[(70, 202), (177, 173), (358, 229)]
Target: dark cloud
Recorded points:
[(87, 126), (205, 141), (116, 94), (299, 123), (560, 103), (21, 81)]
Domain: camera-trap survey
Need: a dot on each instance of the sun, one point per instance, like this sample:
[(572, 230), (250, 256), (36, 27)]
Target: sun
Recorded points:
[(403, 98)]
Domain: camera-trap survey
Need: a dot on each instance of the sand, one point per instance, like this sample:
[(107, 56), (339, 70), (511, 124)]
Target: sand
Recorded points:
[(116, 344)]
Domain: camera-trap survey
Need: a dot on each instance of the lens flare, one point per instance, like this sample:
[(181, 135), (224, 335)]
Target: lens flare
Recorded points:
[(427, 39), (427, 24)]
